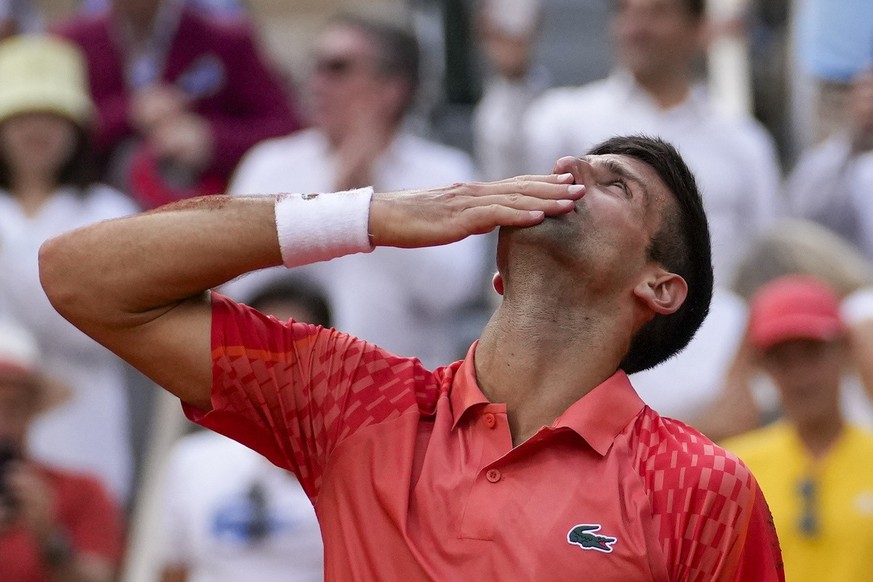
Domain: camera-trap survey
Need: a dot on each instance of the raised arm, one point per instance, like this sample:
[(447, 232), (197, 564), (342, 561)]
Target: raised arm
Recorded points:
[(138, 285)]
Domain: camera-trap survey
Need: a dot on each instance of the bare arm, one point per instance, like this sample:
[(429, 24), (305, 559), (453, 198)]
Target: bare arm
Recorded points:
[(138, 284)]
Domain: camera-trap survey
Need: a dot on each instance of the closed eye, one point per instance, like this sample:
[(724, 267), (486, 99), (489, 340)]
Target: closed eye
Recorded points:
[(623, 186)]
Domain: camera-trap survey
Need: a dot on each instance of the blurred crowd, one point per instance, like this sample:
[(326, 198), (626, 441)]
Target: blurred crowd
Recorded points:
[(125, 106)]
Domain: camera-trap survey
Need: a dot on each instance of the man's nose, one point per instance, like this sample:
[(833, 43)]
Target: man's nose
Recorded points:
[(581, 169)]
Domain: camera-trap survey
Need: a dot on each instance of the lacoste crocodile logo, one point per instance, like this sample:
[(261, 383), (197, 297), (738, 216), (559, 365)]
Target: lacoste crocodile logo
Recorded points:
[(582, 535)]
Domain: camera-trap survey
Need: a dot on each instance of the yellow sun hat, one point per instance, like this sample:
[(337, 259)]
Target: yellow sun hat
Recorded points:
[(43, 73)]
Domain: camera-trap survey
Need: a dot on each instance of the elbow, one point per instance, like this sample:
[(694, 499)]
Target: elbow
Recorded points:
[(56, 275)]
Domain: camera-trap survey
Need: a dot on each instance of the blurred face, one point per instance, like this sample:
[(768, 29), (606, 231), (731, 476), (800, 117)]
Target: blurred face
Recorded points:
[(807, 373), (345, 85), (37, 143), (655, 37)]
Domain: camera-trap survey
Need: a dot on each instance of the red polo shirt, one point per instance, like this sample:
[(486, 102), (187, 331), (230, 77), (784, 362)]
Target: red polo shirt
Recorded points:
[(414, 476)]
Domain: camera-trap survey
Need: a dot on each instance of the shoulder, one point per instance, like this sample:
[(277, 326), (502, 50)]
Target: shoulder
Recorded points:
[(671, 456), (192, 22), (453, 163), (70, 484), (713, 520), (760, 442), (288, 156), (742, 131), (277, 149), (109, 202), (571, 98), (83, 28)]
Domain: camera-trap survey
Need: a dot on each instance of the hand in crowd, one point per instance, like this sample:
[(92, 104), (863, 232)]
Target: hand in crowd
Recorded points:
[(34, 500), (735, 410), (155, 105), (185, 139), (861, 110)]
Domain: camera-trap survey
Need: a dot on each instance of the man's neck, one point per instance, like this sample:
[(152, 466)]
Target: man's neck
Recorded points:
[(820, 435), (668, 90), (539, 360)]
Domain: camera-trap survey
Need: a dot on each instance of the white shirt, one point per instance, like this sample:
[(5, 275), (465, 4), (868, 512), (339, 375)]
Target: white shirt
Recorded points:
[(89, 431), (832, 186), (733, 158), (208, 507), (409, 301)]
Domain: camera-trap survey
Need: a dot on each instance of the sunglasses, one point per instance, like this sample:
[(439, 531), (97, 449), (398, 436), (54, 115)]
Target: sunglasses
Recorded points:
[(809, 522)]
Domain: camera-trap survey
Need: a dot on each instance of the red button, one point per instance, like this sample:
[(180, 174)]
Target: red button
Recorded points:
[(490, 420), (493, 475)]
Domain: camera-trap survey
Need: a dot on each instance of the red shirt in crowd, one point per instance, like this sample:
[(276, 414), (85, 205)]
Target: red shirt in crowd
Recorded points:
[(84, 513)]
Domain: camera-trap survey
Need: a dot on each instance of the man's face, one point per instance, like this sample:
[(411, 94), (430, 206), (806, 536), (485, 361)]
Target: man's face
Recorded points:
[(807, 374), (654, 38), (345, 86), (608, 234)]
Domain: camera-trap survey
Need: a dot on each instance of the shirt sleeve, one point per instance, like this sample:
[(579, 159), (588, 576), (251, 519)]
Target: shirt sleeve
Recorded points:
[(725, 533), (294, 391), (714, 522)]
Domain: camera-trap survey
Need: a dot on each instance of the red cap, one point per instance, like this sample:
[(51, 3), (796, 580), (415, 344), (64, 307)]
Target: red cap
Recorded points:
[(794, 307)]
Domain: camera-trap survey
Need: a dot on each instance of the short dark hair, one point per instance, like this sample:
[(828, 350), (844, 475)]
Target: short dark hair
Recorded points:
[(296, 290), (682, 245), (79, 171), (399, 54)]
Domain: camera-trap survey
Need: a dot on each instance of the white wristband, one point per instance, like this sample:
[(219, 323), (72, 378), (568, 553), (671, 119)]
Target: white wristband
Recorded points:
[(858, 306), (320, 227)]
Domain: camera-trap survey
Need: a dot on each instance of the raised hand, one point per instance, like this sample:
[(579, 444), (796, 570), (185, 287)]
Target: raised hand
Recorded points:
[(418, 218)]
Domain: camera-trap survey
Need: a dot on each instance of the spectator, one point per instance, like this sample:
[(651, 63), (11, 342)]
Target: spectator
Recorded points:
[(180, 97), (229, 514), (813, 466), (832, 181), (657, 46), (54, 524), (834, 44), (45, 189), (507, 31), (794, 247), (363, 84)]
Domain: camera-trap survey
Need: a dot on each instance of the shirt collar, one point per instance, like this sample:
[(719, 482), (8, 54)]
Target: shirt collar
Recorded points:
[(598, 417)]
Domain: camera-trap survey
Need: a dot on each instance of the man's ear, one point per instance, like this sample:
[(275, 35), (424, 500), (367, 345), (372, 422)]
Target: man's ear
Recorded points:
[(663, 292)]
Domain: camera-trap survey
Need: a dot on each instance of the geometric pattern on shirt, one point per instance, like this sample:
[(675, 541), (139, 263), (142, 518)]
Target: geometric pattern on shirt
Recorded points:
[(697, 491)]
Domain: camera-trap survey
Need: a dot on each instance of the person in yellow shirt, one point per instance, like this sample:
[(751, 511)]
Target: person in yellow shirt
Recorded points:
[(815, 469)]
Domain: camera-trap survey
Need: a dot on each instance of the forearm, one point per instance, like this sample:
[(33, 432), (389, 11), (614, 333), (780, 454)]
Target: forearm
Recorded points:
[(128, 271)]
